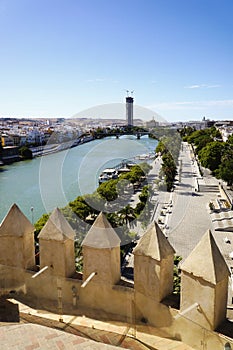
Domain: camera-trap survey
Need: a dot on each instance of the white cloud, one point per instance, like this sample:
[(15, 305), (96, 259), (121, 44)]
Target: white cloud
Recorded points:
[(202, 86), (193, 87)]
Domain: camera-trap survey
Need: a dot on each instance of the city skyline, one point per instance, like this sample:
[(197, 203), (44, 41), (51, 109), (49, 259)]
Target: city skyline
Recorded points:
[(61, 58)]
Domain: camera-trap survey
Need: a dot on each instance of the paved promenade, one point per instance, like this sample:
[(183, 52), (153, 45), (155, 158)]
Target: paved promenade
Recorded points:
[(189, 219), (38, 329)]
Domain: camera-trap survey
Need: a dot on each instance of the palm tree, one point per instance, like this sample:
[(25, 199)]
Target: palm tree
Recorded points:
[(127, 215)]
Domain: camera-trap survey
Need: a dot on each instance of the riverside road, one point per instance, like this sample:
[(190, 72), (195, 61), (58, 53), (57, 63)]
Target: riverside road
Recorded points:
[(190, 218), (187, 219)]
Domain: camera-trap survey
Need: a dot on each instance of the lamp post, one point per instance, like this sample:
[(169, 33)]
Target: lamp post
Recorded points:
[(32, 215)]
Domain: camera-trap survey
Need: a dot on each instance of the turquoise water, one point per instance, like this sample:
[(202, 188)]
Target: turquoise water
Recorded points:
[(38, 186)]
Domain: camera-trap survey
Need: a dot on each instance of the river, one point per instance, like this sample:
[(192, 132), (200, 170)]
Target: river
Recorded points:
[(39, 185)]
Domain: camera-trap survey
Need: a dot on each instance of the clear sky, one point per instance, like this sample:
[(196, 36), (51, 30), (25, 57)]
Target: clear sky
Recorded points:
[(59, 57)]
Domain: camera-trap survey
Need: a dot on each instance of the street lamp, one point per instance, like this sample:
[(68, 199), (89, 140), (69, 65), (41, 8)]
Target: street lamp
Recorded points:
[(32, 214)]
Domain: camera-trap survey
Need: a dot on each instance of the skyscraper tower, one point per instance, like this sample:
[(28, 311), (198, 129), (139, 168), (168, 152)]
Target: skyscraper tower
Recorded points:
[(129, 109)]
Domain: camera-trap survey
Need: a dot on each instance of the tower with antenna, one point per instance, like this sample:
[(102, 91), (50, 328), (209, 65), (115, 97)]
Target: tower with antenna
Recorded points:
[(129, 108)]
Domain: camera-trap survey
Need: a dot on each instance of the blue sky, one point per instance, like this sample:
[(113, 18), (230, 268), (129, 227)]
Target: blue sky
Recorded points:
[(59, 57)]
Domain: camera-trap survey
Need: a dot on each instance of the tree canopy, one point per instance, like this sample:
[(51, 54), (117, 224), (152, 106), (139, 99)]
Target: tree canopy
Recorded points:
[(210, 156), (25, 152), (212, 152), (225, 171)]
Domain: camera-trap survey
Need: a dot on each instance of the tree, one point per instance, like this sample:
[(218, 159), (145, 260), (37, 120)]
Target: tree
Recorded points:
[(134, 175), (160, 148), (80, 208), (139, 208), (215, 133), (169, 170), (176, 274), (210, 156), (127, 214), (170, 144), (225, 171), (40, 224), (144, 194), (25, 152), (108, 190), (230, 140), (186, 131), (200, 138)]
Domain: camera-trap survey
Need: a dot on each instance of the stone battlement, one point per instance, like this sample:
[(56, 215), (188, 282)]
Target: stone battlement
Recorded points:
[(204, 276)]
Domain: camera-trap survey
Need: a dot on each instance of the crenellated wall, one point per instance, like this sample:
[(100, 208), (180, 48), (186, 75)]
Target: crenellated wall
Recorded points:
[(203, 287)]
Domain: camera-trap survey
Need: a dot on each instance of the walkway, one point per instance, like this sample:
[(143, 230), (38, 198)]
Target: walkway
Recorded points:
[(189, 219), (39, 329)]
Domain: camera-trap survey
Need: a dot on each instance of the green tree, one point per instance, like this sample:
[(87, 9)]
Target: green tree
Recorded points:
[(127, 215), (225, 171), (210, 156), (144, 194), (25, 152), (170, 144), (134, 175), (230, 140), (169, 170), (80, 208), (161, 148), (215, 133), (176, 274), (108, 190), (40, 224), (200, 138), (186, 131), (139, 208)]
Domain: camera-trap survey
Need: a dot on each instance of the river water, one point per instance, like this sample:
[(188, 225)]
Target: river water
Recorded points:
[(39, 185)]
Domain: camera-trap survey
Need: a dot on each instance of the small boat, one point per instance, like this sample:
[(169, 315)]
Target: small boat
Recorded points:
[(108, 174), (146, 156)]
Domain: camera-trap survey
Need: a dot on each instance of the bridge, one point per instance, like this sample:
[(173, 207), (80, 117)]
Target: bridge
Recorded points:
[(118, 134)]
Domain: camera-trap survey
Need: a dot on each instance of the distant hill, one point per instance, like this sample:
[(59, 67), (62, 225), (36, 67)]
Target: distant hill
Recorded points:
[(118, 111)]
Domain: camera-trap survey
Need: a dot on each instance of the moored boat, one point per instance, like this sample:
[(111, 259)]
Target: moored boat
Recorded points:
[(108, 174)]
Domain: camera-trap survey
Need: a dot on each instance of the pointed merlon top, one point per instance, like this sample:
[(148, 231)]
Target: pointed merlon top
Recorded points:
[(101, 235), (57, 228), (15, 223), (154, 244), (206, 261)]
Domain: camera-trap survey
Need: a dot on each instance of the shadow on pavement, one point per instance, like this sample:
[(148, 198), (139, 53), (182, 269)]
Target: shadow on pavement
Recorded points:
[(9, 312)]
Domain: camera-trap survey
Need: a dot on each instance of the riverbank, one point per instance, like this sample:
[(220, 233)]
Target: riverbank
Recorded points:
[(54, 148), (48, 149), (44, 183)]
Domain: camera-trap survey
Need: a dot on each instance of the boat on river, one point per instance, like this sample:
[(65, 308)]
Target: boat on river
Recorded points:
[(108, 174)]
